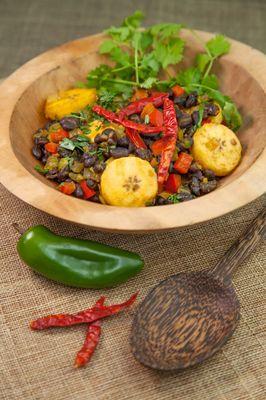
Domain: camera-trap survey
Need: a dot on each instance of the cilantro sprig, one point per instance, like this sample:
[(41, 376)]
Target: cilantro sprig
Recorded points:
[(139, 56)]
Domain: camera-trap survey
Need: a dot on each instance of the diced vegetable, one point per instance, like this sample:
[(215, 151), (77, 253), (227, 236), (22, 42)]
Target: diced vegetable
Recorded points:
[(183, 163), (59, 135), (173, 183), (67, 187), (178, 90), (51, 147), (87, 192)]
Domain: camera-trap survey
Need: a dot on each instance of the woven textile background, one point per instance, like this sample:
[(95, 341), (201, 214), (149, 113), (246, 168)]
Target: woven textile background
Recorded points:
[(38, 365)]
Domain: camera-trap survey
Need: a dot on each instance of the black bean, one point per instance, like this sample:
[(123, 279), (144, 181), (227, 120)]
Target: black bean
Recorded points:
[(198, 174), (131, 147), (208, 186), (181, 100), (90, 161), (135, 118), (145, 154), (119, 152), (52, 174), (123, 141), (171, 168), (185, 196), (160, 201), (63, 174), (99, 167), (36, 151), (44, 159), (180, 146), (64, 152), (192, 100), (195, 117), (78, 191), (69, 123), (95, 198), (178, 113), (185, 121), (100, 138), (209, 174), (171, 93), (41, 140), (108, 131), (211, 109), (112, 139), (91, 183), (195, 186)]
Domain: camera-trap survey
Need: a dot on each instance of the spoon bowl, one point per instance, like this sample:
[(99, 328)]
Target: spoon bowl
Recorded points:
[(189, 316), (183, 321)]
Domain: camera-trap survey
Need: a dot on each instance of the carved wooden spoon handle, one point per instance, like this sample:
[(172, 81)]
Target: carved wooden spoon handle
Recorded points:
[(240, 250)]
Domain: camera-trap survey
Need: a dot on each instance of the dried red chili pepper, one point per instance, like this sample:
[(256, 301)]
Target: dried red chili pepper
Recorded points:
[(170, 133), (89, 315), (135, 138), (91, 341), (112, 117), (137, 106)]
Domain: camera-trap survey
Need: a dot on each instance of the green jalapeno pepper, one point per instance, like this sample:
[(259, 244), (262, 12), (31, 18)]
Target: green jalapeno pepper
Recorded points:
[(76, 262)]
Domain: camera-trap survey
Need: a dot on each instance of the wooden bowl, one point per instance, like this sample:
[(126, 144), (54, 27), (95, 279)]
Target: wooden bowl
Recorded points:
[(243, 77)]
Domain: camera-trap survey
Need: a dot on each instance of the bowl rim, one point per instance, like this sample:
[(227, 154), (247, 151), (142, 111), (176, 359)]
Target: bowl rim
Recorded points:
[(18, 180)]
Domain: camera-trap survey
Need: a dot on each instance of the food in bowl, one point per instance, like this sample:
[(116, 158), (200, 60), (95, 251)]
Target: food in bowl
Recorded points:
[(127, 138)]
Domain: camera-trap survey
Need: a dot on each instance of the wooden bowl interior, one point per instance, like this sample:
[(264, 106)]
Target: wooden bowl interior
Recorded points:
[(235, 81)]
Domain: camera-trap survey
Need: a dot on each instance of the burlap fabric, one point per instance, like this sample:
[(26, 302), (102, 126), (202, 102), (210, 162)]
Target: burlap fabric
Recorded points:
[(38, 365)]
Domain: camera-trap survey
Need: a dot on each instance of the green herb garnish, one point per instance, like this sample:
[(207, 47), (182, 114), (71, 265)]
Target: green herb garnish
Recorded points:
[(140, 55), (40, 169)]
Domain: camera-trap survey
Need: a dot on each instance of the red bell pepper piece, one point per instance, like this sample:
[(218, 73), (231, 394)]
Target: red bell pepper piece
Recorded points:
[(139, 94), (178, 90), (183, 163), (156, 117), (51, 147), (59, 135), (67, 187), (158, 146), (87, 192), (173, 183), (135, 138)]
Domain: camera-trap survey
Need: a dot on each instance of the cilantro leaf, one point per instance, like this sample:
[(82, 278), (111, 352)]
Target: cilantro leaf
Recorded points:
[(232, 115), (164, 31), (171, 53), (218, 46), (149, 83), (67, 144), (202, 61), (210, 81), (107, 46), (41, 170), (189, 77), (134, 20)]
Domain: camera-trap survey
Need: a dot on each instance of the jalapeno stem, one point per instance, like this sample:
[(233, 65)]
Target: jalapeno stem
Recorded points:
[(18, 228)]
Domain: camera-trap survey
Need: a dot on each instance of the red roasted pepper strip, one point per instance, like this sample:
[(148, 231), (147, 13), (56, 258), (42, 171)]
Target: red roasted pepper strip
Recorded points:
[(135, 138), (137, 106), (91, 341), (89, 315), (112, 117), (170, 133)]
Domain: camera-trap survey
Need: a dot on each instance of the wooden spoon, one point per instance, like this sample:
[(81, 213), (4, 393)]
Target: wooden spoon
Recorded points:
[(188, 317)]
